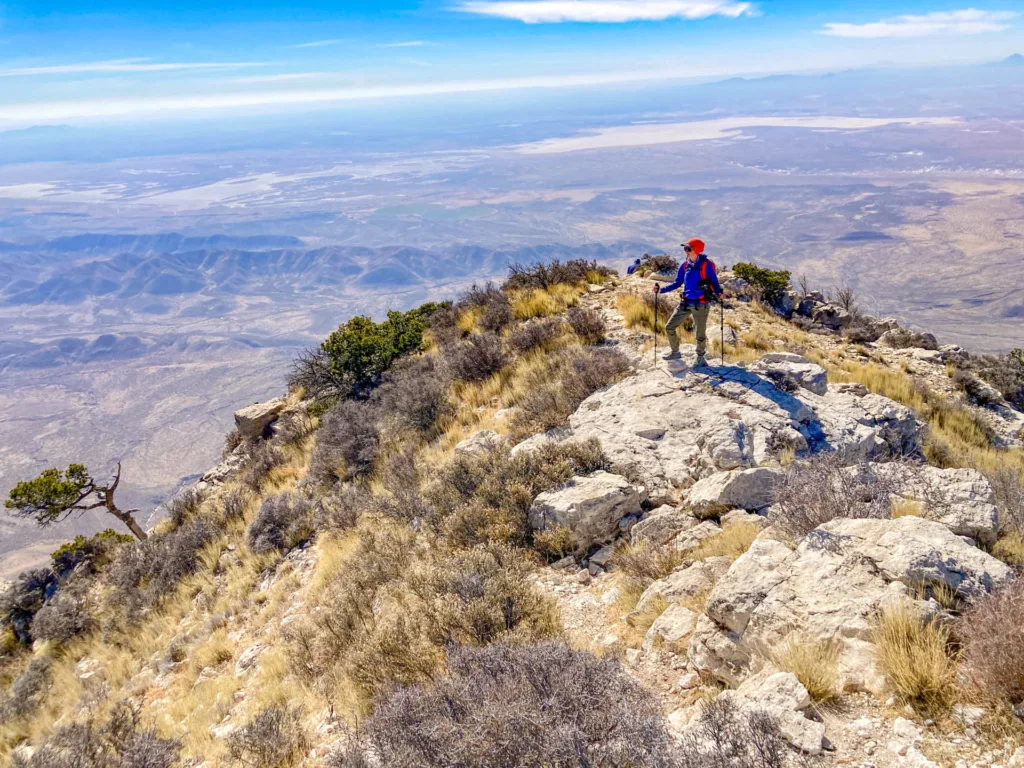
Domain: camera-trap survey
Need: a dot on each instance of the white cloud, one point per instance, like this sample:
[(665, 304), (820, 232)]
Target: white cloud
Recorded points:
[(321, 43), (405, 44), (606, 11), (124, 65), (280, 78), (150, 106), (970, 21)]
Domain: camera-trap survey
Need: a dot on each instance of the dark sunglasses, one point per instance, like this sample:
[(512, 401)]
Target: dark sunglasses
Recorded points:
[(687, 248)]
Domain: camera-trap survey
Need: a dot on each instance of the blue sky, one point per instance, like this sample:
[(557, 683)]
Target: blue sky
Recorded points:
[(68, 61)]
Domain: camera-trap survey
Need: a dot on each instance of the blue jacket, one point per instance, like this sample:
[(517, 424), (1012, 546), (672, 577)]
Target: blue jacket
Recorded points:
[(689, 278), (633, 267)]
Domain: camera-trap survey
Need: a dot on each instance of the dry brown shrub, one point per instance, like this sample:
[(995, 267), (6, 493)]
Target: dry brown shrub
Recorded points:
[(992, 632), (821, 488), (554, 394), (506, 707), (274, 738)]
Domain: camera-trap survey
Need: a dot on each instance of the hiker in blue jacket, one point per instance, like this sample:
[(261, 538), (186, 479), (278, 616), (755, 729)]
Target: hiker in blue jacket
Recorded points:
[(698, 278), (633, 267)]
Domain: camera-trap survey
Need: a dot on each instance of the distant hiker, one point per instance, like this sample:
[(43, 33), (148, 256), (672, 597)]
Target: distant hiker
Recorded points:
[(699, 280), (633, 267)]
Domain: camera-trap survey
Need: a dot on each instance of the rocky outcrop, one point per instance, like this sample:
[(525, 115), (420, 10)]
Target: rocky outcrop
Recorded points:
[(781, 696), (681, 427), (685, 583), (830, 590), (591, 507), (253, 420), (960, 499), (736, 489), (662, 525), (791, 371)]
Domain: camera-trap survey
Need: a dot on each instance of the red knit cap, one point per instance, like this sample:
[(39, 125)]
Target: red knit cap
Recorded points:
[(697, 244)]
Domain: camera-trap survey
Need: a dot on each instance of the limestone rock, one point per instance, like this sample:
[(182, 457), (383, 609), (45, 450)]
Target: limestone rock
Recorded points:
[(903, 338), (679, 428), (248, 659), (739, 488), (685, 582), (671, 628), (831, 316), (830, 589), (590, 507), (960, 499), (799, 370), (742, 517), (661, 525), (479, 443), (252, 420), (781, 695)]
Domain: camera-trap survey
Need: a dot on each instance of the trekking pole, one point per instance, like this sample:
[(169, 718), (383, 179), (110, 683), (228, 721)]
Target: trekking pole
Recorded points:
[(656, 326), (721, 303)]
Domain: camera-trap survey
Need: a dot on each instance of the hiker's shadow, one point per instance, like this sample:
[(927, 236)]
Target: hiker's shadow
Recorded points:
[(802, 413)]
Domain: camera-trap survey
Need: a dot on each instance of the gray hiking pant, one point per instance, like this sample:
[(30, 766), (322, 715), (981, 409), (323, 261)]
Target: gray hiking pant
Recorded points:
[(700, 325)]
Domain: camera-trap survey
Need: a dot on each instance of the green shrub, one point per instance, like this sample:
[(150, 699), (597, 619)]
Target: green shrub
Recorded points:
[(771, 283), (96, 551), (351, 360)]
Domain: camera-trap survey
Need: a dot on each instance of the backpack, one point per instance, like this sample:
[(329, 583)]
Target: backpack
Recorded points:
[(705, 284)]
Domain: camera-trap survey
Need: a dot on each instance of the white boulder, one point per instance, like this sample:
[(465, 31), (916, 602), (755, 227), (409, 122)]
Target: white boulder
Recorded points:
[(670, 629), (830, 589), (685, 582), (738, 488), (252, 420), (785, 366), (662, 525), (781, 695), (679, 428), (590, 507)]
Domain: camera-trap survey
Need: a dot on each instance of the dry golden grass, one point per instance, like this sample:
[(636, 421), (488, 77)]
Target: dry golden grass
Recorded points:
[(732, 542), (915, 655), (957, 437), (815, 664), (638, 314), (757, 339), (541, 302), (644, 563), (1010, 548), (907, 507), (468, 320)]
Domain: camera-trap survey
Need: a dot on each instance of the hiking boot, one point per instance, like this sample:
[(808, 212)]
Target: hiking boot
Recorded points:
[(671, 356), (701, 362)]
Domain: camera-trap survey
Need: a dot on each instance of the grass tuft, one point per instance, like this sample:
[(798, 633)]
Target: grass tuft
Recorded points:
[(814, 663), (915, 655)]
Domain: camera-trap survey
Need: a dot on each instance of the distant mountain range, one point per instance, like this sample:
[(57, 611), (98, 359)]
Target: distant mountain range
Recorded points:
[(69, 270)]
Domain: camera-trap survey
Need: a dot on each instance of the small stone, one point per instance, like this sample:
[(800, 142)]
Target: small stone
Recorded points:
[(689, 681), (564, 563)]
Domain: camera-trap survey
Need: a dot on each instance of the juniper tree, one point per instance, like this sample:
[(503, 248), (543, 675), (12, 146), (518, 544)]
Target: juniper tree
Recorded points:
[(54, 496)]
